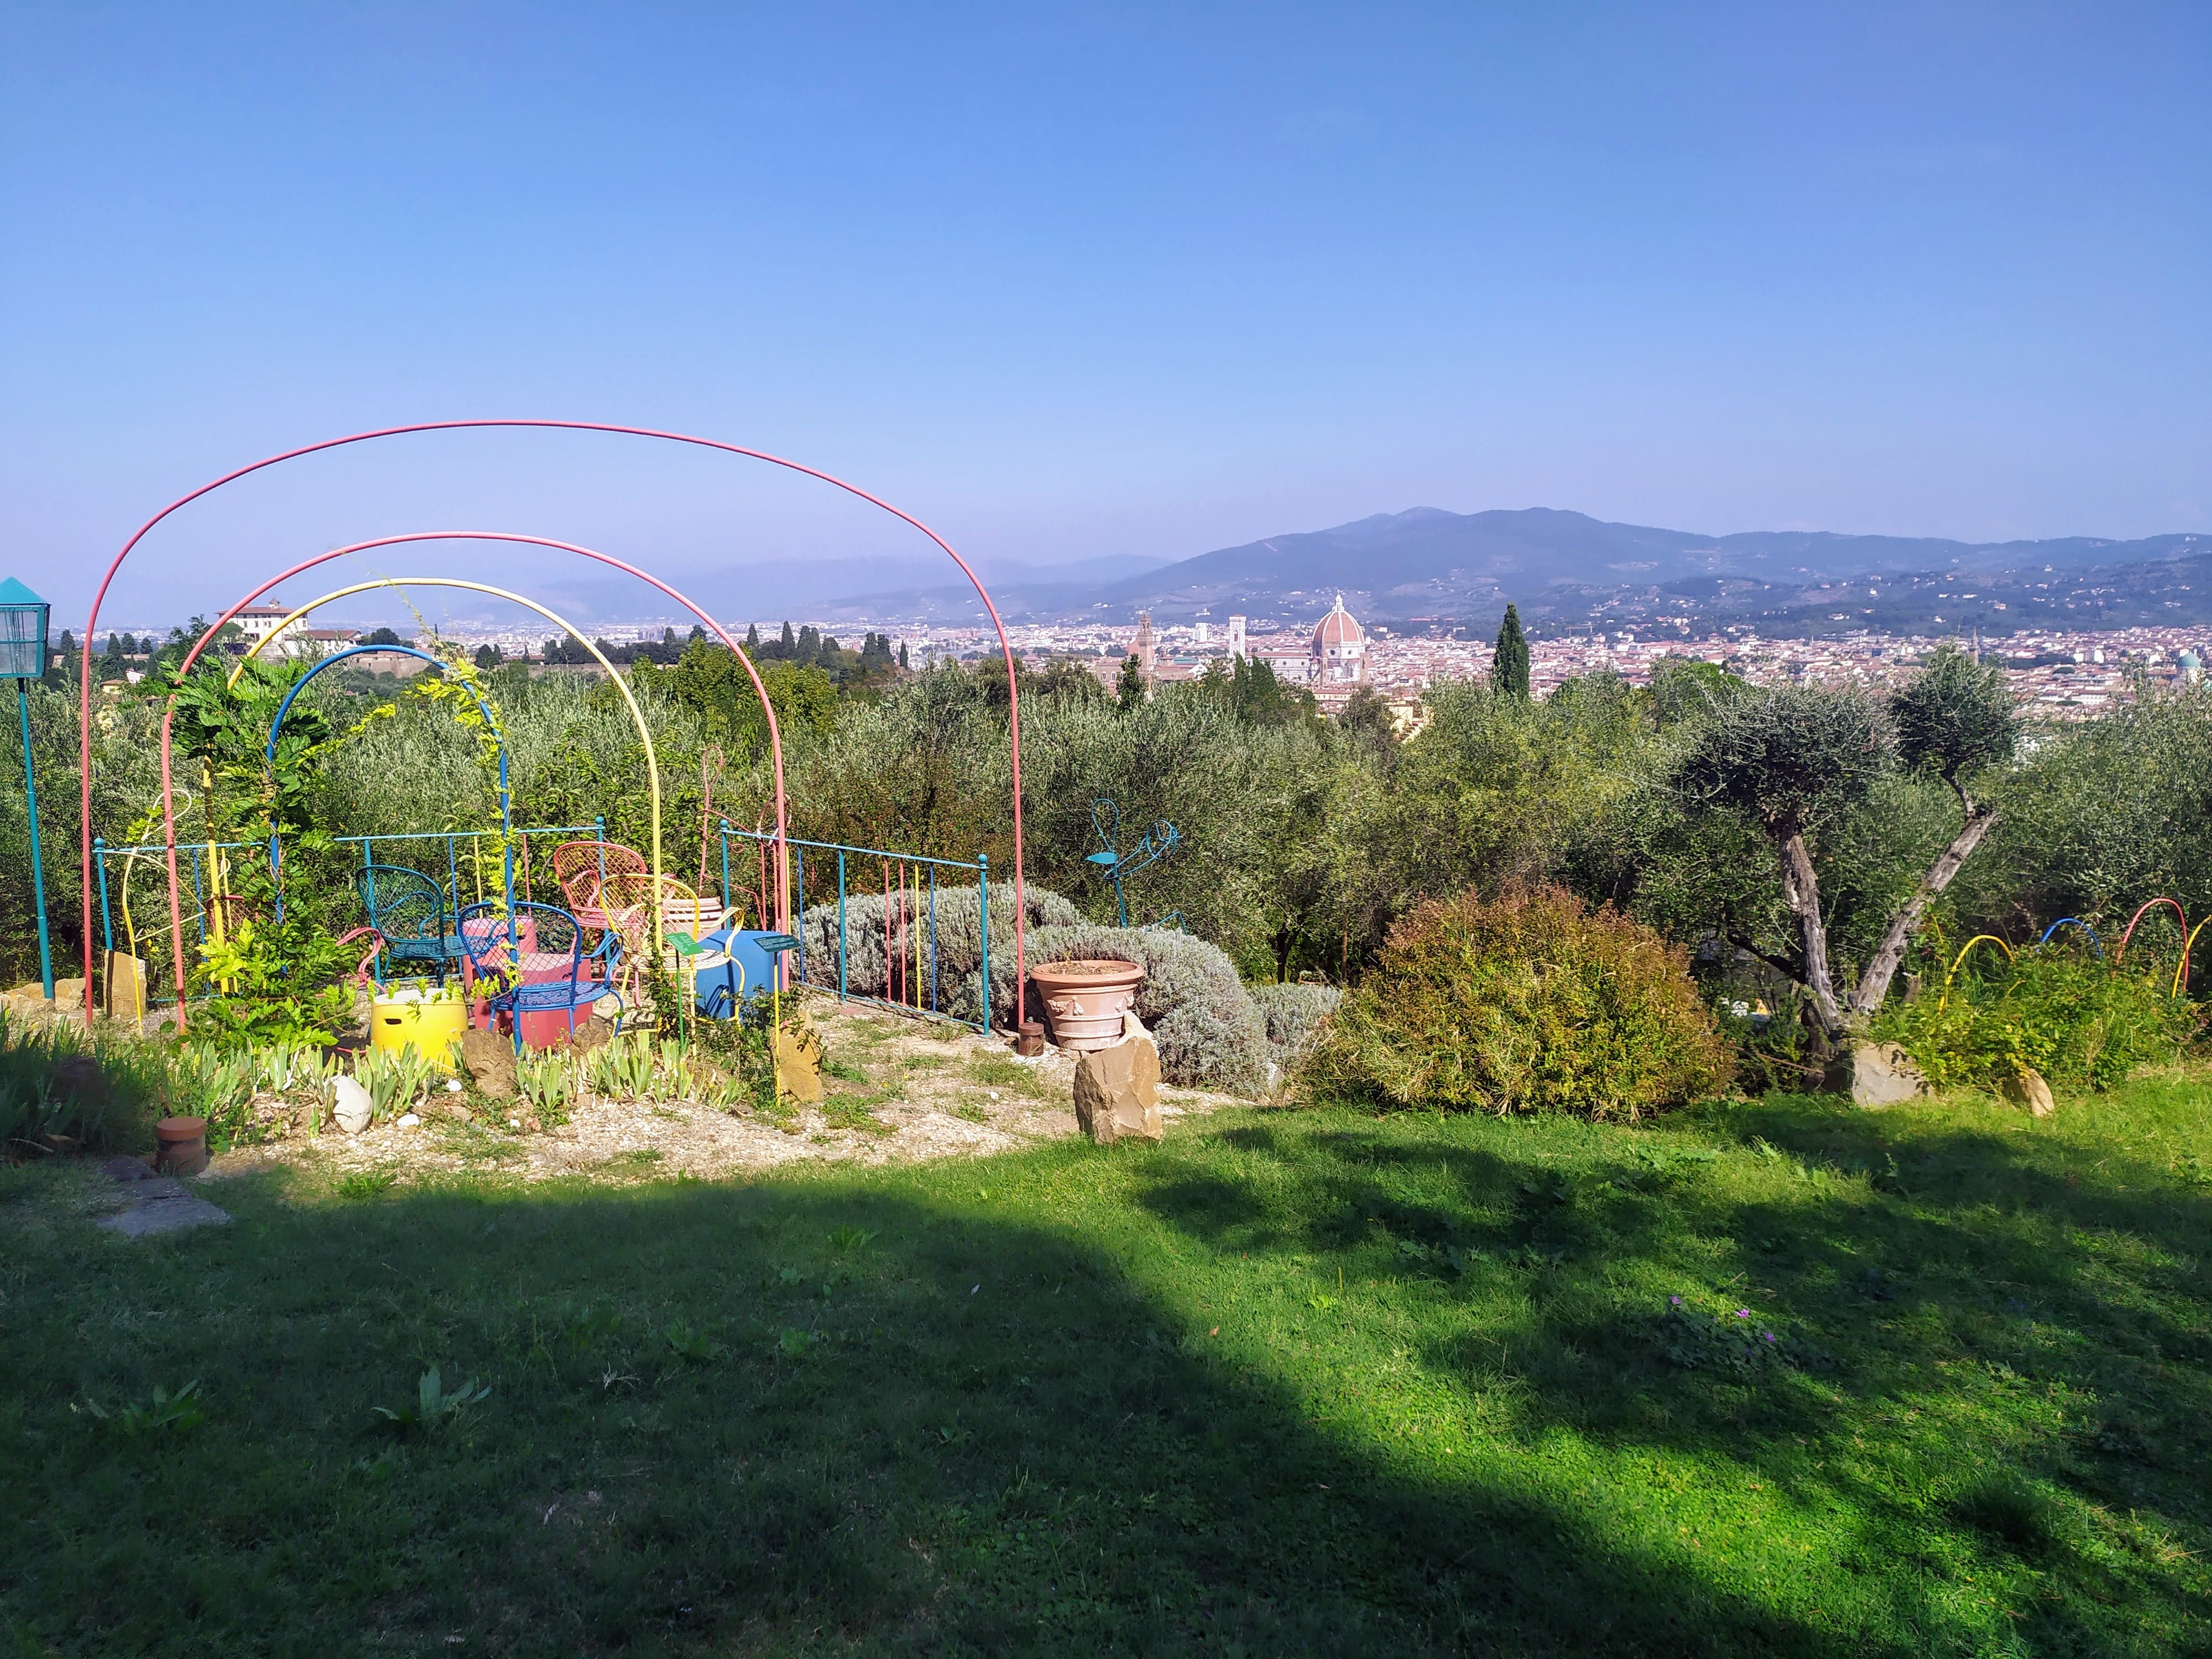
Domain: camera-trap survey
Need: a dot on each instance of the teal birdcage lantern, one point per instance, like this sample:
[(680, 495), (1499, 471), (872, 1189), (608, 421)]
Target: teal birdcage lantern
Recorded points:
[(22, 632), (23, 616)]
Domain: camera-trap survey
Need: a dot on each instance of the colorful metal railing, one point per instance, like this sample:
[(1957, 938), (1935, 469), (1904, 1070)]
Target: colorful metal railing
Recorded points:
[(908, 883)]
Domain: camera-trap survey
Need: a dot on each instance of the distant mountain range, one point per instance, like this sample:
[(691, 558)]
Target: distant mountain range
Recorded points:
[(1426, 569)]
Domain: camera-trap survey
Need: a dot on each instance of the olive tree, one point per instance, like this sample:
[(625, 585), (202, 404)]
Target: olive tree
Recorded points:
[(1954, 720), (1792, 760), (1795, 759)]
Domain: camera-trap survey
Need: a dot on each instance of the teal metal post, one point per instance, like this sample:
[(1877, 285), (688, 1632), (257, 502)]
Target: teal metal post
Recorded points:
[(983, 922), (841, 924), (38, 870), (106, 922)]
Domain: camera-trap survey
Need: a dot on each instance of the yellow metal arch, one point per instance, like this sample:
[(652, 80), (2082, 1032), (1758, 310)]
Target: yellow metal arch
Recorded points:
[(1978, 938), (2181, 968), (651, 758)]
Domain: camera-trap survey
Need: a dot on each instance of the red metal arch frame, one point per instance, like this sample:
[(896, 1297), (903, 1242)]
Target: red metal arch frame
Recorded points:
[(1006, 647)]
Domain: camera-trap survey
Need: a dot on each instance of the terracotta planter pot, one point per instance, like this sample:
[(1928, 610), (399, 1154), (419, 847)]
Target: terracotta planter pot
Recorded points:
[(1029, 1040), (1085, 999), (183, 1146)]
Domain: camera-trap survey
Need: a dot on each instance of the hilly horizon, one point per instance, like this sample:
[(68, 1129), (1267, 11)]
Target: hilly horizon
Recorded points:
[(1564, 568), (1427, 569)]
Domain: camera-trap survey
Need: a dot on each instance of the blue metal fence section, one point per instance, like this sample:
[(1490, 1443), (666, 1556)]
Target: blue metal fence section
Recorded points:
[(923, 871)]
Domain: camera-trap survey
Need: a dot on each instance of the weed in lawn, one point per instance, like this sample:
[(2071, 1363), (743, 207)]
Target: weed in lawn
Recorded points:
[(925, 1062), (969, 1111), (366, 1183), (160, 1413), (795, 1344), (843, 1069), (435, 1406), (996, 1070), (690, 1343), (858, 1112)]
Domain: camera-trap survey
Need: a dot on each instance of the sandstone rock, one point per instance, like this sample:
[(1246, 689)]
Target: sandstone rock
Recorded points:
[(1117, 1089), (799, 1064), (1877, 1074), (2025, 1087), (489, 1059), (353, 1109)]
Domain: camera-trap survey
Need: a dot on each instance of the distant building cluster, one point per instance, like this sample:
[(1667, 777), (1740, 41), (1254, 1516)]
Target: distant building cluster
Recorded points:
[(2064, 673)]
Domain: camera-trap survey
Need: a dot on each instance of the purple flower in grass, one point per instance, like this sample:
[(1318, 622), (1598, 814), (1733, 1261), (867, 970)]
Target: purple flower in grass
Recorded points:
[(1743, 1313), (1676, 1300)]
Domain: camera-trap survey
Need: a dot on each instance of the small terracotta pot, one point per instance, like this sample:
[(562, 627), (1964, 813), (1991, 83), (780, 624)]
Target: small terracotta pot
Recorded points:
[(183, 1144), (1029, 1041), (1085, 999)]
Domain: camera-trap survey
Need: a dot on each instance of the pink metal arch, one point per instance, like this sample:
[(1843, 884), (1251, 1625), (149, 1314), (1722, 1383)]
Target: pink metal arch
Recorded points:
[(168, 796), (1006, 647), (2179, 915)]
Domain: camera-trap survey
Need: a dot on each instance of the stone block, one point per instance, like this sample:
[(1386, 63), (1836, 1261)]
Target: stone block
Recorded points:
[(489, 1059), (1117, 1089), (1877, 1074), (2025, 1087)]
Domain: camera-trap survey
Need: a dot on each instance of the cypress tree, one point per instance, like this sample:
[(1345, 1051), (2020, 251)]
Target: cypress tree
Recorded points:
[(752, 641), (1509, 664), (1129, 689)]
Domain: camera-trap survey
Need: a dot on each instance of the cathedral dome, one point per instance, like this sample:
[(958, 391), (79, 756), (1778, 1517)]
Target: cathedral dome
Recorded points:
[(1336, 630)]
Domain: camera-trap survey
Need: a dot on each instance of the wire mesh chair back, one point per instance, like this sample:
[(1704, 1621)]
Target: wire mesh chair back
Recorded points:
[(579, 867), (630, 899), (404, 905)]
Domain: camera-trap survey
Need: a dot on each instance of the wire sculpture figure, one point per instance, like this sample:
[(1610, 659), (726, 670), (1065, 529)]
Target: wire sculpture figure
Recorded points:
[(1118, 866)]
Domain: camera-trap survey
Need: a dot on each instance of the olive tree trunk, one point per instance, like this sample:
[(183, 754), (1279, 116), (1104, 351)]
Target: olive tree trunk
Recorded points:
[(1802, 888), (1881, 968)]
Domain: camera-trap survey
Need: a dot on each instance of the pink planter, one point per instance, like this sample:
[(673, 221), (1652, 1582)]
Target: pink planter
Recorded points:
[(1085, 999)]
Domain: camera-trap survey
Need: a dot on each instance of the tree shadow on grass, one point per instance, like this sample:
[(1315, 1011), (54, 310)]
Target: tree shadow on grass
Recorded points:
[(813, 1415), (1967, 1333)]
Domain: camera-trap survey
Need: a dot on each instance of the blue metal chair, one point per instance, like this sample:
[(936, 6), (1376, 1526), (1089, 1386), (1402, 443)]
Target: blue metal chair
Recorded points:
[(408, 910), (537, 958)]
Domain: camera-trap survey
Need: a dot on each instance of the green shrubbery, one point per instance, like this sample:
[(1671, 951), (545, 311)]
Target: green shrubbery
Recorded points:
[(58, 1084), (2069, 1016), (1531, 1002)]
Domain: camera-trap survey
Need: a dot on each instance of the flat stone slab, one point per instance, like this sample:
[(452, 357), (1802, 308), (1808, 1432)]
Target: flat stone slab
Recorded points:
[(157, 1204)]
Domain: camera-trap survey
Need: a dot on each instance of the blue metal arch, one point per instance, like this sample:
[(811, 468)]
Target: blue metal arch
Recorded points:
[(506, 803), (2072, 921)]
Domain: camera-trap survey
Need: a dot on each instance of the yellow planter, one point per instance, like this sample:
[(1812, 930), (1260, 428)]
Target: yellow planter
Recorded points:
[(430, 1028)]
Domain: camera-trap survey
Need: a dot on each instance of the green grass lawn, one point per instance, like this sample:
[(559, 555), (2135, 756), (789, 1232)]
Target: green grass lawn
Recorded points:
[(1291, 1383)]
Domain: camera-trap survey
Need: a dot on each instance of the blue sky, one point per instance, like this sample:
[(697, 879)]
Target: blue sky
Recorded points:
[(1085, 281)]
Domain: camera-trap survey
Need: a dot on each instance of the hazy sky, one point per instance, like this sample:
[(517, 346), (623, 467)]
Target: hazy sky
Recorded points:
[(1076, 280)]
